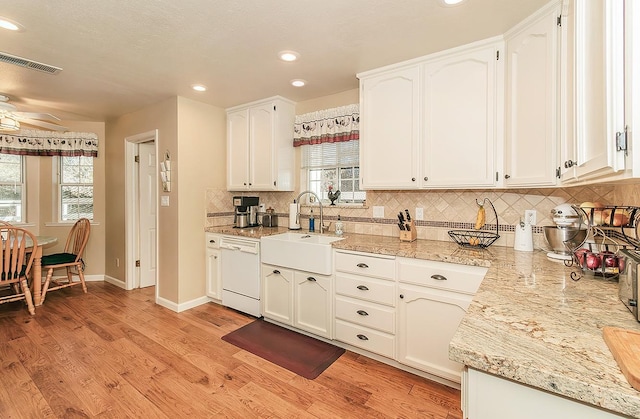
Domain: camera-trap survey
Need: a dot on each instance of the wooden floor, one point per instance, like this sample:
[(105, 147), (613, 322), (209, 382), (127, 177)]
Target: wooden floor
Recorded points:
[(116, 354)]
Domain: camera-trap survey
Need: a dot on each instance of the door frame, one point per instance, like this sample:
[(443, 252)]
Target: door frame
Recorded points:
[(132, 240)]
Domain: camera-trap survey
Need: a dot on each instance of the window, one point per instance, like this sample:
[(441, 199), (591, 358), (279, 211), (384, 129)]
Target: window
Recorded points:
[(76, 188), (12, 188), (334, 166)]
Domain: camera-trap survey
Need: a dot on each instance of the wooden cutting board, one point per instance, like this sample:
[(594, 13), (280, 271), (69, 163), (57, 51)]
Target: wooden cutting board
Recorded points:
[(624, 344)]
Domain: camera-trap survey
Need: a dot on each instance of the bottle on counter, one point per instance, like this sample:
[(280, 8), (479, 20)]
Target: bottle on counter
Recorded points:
[(312, 222), (338, 227)]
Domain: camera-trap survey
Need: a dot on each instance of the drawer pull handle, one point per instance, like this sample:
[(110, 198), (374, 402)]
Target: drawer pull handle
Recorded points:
[(362, 265), (310, 278), (439, 277), (362, 288), (362, 337), (212, 241), (362, 313), (277, 272)]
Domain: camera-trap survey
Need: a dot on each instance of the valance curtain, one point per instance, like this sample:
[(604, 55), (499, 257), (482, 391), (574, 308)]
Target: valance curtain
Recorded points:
[(327, 126), (49, 143)]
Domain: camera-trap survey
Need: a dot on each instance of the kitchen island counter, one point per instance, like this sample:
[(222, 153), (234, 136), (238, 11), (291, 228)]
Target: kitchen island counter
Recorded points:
[(250, 232), (530, 322)]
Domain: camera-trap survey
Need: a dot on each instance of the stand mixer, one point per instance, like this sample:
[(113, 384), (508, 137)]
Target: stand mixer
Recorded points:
[(567, 234)]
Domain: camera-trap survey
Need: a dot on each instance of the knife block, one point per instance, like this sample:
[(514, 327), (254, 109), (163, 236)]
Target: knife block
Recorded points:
[(409, 236)]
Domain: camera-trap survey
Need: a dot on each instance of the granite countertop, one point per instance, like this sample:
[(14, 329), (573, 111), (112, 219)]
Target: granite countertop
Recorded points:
[(251, 232), (528, 322)]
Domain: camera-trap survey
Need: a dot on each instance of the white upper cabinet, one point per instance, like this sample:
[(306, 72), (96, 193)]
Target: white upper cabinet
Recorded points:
[(461, 107), (390, 128), (260, 154), (532, 99), (599, 80), (432, 122)]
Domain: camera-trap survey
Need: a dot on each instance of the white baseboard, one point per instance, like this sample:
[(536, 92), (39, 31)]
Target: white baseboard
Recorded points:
[(182, 306), (115, 281)]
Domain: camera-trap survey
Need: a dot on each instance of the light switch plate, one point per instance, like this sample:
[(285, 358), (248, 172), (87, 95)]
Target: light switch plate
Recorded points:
[(164, 201), (530, 217), (419, 213), (378, 212)]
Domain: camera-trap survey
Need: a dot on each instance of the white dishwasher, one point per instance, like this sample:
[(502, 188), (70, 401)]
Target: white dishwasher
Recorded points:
[(240, 268)]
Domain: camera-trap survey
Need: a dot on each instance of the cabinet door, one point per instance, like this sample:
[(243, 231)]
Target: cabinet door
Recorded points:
[(277, 294), (427, 321), (531, 137), (460, 120), (599, 105), (238, 150), (214, 282), (390, 130), (313, 303), (261, 160)]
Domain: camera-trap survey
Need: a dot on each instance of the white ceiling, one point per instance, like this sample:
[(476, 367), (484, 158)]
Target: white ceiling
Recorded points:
[(119, 56)]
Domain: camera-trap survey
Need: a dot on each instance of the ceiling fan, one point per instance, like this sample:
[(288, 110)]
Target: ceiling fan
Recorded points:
[(11, 119)]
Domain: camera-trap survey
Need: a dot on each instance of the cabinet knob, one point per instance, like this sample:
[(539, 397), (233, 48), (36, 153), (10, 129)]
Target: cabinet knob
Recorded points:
[(413, 179), (362, 313), (362, 265), (277, 272), (439, 277), (426, 178), (569, 163), (244, 183), (215, 257), (362, 337), (362, 288), (401, 296), (310, 278), (507, 176), (249, 183)]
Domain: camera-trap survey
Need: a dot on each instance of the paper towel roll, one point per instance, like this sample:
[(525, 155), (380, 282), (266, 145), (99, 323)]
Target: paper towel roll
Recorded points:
[(293, 215)]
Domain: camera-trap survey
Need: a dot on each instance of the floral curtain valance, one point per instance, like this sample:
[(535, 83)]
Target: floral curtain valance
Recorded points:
[(49, 143), (327, 126)]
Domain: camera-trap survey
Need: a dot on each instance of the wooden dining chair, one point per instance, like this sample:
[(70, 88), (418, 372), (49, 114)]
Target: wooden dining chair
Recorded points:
[(70, 259), (15, 265)]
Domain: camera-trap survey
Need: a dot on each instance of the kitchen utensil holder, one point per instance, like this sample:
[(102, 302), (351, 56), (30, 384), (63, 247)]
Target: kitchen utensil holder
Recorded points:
[(477, 238), (411, 235)]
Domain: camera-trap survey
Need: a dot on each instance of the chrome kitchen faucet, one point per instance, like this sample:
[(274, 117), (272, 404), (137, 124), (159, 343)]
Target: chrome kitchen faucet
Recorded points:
[(322, 226)]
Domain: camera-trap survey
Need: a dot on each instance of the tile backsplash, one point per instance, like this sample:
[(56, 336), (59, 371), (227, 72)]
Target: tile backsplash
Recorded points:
[(443, 209)]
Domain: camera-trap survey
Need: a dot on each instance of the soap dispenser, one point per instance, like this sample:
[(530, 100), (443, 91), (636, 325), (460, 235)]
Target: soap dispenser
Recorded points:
[(338, 227), (312, 222)]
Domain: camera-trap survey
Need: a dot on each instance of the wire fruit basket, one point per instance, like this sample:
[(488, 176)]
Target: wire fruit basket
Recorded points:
[(477, 238)]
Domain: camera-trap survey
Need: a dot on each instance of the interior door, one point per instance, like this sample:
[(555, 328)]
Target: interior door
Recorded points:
[(147, 204)]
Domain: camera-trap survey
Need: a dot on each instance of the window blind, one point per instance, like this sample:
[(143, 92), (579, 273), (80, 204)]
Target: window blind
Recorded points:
[(330, 155)]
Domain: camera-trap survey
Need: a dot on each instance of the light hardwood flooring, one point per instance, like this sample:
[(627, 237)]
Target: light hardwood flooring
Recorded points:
[(116, 354)]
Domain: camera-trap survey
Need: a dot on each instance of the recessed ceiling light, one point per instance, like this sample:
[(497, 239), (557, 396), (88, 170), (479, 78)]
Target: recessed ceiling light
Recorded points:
[(451, 2), (10, 24), (298, 82), (288, 55), (199, 87)]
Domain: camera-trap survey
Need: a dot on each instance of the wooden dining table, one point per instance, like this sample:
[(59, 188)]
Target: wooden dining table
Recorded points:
[(42, 241)]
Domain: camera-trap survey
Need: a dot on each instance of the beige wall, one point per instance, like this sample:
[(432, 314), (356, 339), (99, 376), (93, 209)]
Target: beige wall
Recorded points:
[(201, 164), (347, 97), (163, 117), (42, 217)]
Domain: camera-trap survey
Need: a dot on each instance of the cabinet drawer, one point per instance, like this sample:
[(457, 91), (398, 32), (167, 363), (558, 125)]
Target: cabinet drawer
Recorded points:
[(447, 276), (369, 289), (367, 339), (212, 241), (366, 314), (366, 265)]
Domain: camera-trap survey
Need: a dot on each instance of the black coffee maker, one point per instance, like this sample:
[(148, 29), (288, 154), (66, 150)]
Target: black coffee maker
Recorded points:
[(246, 211)]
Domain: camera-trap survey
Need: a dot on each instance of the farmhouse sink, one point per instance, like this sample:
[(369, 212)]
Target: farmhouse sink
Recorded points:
[(302, 251)]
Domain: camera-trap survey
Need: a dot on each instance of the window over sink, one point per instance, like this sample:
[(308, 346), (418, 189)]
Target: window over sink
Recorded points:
[(332, 167)]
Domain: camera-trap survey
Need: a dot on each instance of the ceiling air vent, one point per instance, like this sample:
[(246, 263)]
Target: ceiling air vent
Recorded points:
[(24, 62)]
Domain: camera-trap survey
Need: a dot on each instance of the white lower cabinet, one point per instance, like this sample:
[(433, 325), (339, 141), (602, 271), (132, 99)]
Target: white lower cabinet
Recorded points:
[(427, 321), (486, 396), (312, 303), (212, 269), (364, 302), (277, 294), (299, 299)]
